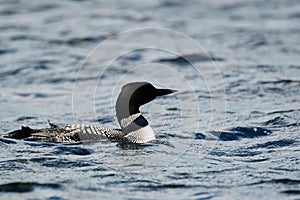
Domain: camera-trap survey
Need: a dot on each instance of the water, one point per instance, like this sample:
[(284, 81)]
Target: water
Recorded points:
[(231, 132)]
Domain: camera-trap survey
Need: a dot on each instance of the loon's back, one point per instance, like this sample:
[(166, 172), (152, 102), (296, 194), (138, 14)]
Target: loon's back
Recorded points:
[(68, 133)]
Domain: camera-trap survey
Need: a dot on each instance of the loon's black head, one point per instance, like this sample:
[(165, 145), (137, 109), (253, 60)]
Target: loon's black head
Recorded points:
[(136, 94), (133, 124)]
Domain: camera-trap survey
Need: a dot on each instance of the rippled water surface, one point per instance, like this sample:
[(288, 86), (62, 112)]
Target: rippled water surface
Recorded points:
[(230, 132)]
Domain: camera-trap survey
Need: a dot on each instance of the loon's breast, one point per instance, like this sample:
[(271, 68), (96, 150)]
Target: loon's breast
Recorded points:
[(141, 136)]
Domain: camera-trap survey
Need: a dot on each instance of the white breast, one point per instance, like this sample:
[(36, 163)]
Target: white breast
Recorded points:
[(142, 135)]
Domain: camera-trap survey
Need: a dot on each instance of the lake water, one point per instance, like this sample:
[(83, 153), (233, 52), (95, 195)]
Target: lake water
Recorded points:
[(230, 132)]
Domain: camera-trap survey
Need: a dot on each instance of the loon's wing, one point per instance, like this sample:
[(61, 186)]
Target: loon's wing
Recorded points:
[(69, 133), (87, 132)]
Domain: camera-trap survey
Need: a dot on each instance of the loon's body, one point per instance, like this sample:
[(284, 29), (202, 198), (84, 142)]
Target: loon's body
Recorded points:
[(134, 127)]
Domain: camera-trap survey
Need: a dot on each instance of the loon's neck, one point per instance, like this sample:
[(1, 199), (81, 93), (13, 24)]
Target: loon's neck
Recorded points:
[(129, 115), (133, 123), (137, 128)]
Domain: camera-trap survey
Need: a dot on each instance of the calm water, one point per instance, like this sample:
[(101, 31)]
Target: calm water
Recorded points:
[(231, 132)]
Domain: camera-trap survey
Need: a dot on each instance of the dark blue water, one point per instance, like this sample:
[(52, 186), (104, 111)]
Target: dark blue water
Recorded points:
[(231, 132)]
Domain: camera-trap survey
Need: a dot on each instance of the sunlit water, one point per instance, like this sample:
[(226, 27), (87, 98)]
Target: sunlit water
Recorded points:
[(230, 132)]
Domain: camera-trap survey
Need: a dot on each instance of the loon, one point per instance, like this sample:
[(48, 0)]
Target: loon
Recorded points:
[(134, 127)]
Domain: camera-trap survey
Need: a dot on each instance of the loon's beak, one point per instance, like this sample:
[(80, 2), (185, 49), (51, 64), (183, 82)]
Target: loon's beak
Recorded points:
[(161, 92)]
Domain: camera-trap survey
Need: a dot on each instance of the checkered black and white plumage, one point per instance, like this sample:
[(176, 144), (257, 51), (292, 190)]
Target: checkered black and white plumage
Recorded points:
[(68, 133)]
